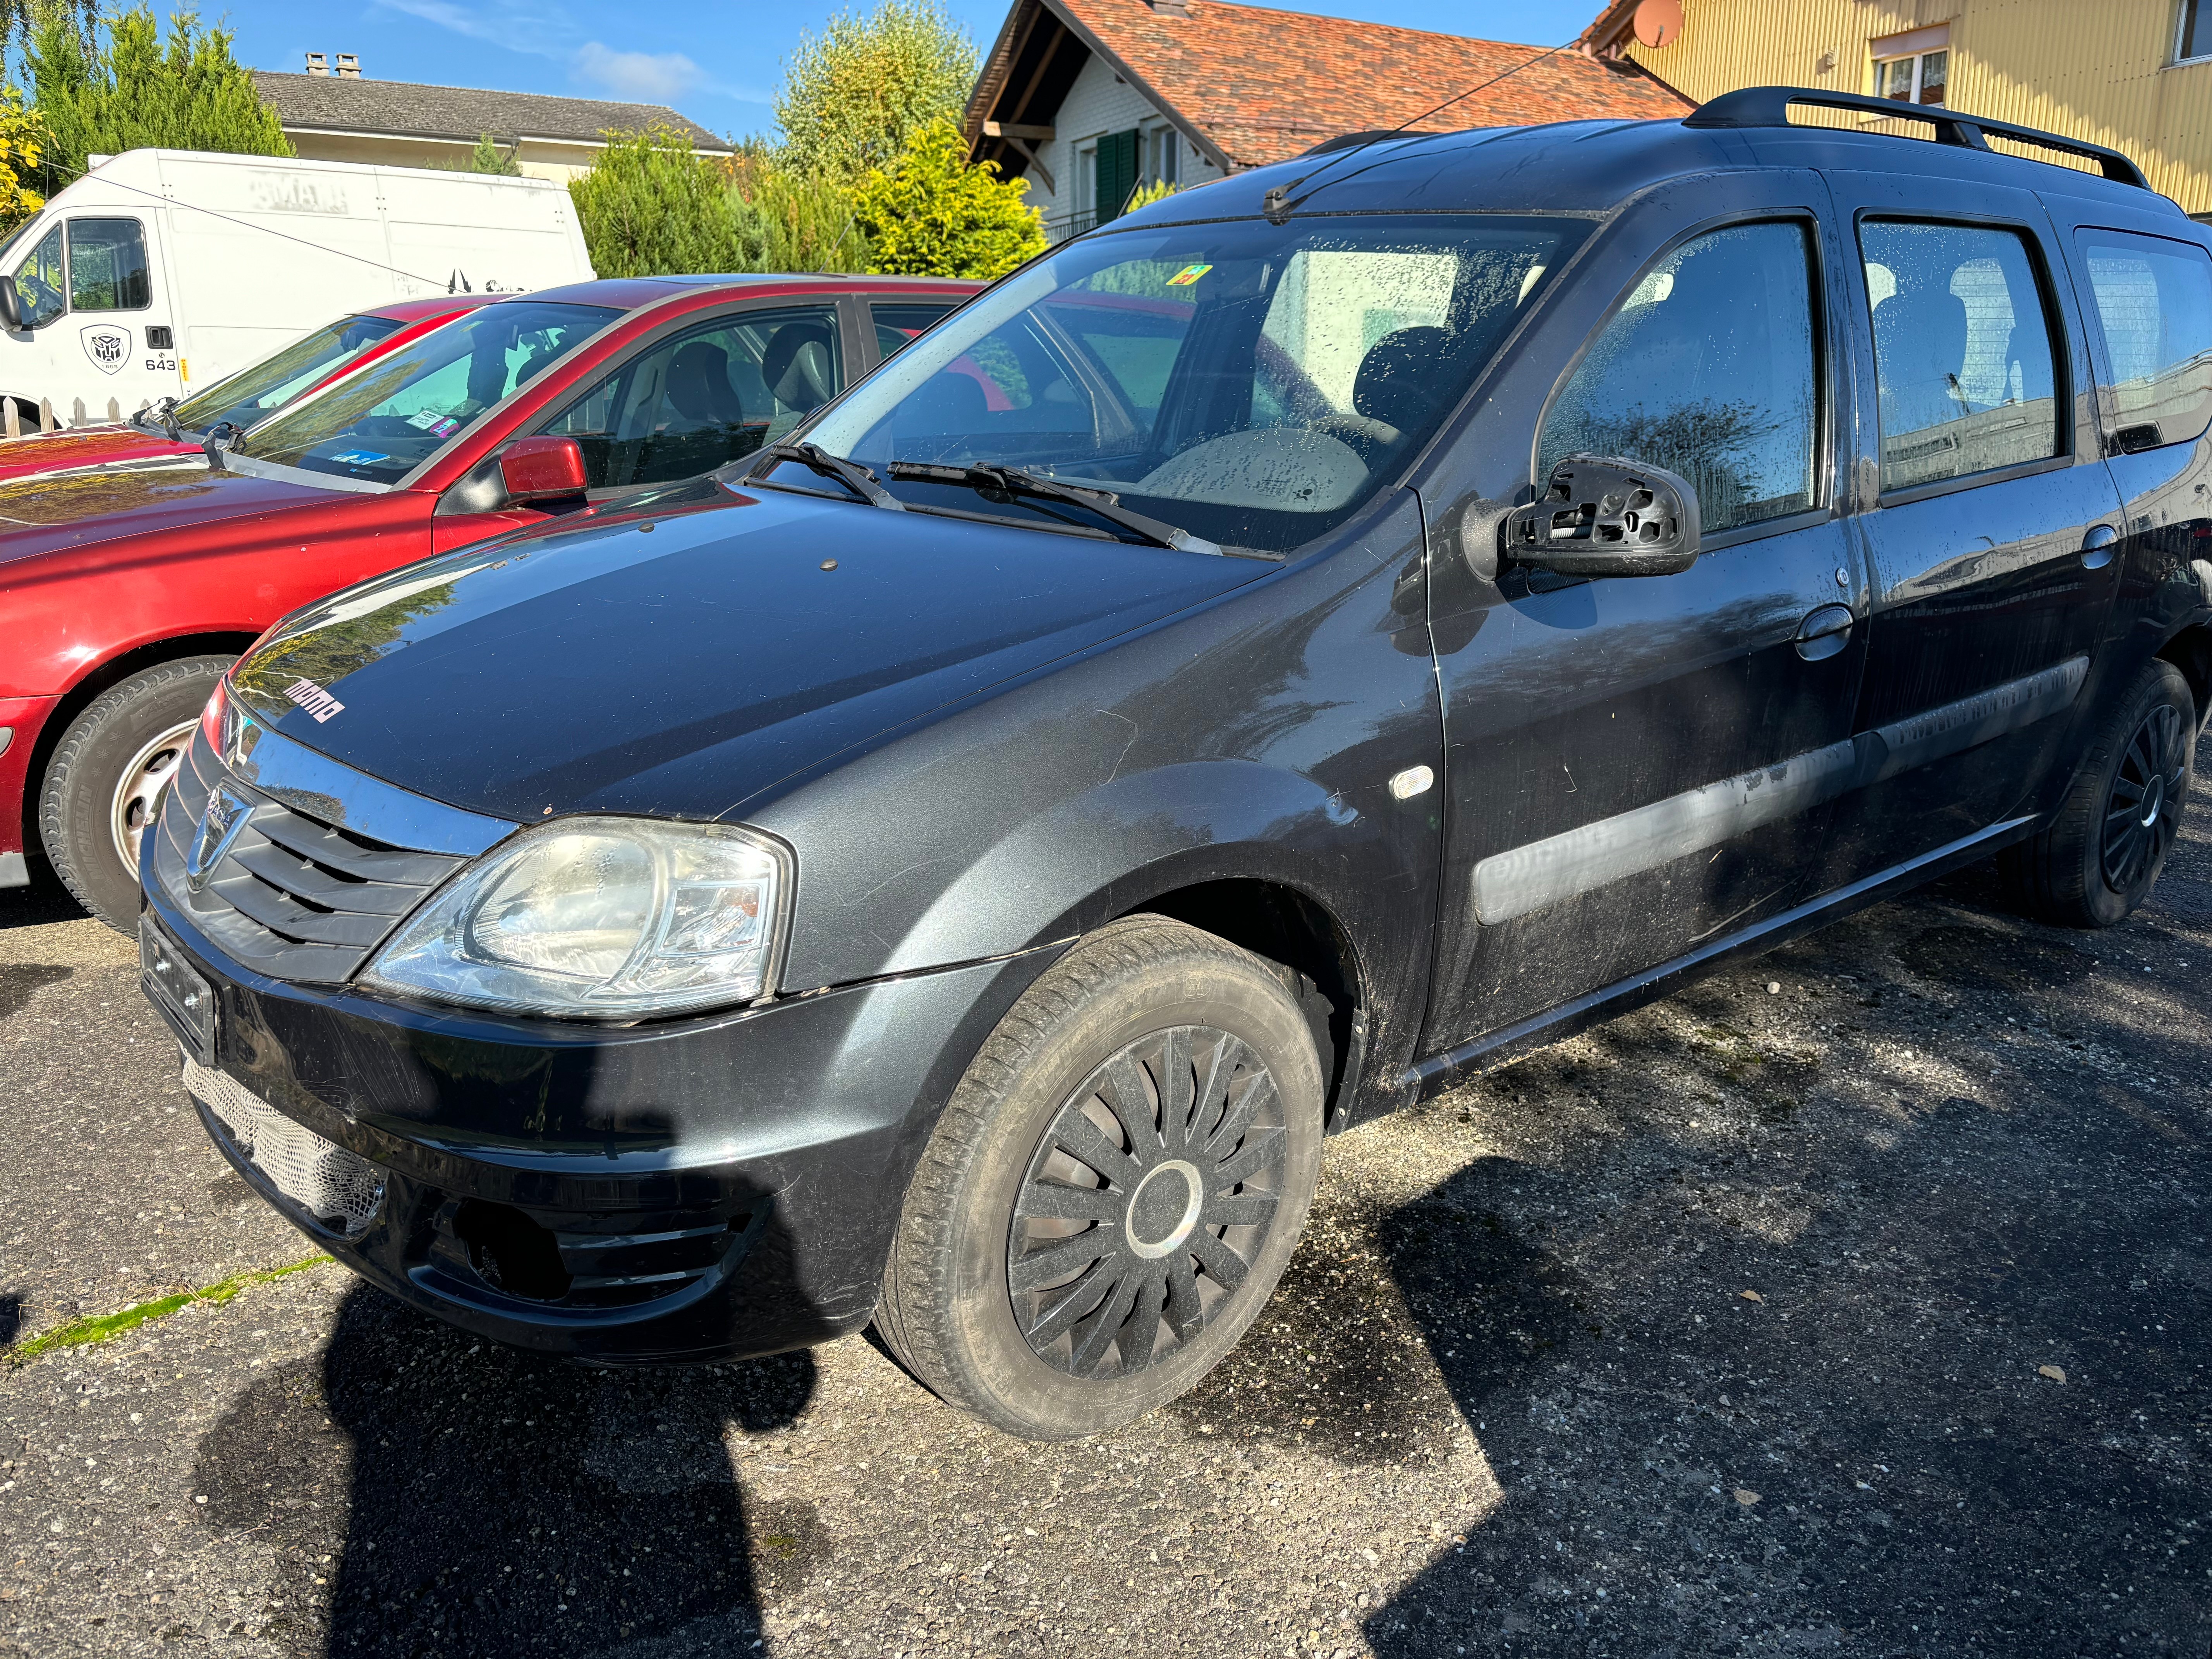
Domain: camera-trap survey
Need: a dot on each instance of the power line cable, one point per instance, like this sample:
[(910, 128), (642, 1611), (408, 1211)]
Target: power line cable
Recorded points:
[(167, 201)]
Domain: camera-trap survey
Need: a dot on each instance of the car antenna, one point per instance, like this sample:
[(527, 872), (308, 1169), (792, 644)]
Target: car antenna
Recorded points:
[(1277, 204)]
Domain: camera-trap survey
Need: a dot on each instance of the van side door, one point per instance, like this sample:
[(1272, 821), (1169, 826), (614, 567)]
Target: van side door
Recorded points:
[(1988, 540), (1638, 766)]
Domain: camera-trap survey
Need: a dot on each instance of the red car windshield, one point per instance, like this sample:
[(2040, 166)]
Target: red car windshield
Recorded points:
[(255, 393), (389, 417)]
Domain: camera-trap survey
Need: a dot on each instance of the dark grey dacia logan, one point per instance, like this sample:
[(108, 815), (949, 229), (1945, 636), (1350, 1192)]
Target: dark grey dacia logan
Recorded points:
[(1262, 663)]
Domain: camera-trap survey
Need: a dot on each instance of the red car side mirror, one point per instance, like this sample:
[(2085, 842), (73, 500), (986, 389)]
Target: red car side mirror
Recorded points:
[(542, 469)]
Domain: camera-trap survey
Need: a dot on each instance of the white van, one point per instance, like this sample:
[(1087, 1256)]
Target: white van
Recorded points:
[(162, 270)]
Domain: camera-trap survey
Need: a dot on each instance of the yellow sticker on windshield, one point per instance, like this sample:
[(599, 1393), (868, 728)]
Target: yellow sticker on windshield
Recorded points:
[(1188, 275)]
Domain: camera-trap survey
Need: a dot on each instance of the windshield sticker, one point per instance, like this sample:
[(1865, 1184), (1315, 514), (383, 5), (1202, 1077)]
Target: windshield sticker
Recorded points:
[(359, 457), (1189, 275), (423, 420)]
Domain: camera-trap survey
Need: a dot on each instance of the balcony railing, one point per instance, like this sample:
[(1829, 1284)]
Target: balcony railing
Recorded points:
[(1068, 225)]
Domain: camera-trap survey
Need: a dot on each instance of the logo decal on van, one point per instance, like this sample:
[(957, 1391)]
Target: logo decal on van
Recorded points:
[(108, 346)]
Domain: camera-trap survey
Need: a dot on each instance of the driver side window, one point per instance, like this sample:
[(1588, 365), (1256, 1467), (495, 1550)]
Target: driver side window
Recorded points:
[(705, 397), (1708, 370), (41, 279)]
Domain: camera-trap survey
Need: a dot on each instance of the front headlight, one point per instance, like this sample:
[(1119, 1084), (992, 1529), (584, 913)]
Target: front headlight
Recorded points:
[(600, 919)]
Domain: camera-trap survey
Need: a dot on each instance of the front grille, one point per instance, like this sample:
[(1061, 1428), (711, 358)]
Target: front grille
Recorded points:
[(590, 1261), (340, 1191), (294, 896)]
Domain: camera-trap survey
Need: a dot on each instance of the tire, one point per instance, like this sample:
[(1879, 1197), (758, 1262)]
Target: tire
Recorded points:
[(101, 783), (2101, 854), (1078, 1063)]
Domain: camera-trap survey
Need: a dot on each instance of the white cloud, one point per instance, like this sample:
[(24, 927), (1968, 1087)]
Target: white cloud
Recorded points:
[(642, 77), (518, 27)]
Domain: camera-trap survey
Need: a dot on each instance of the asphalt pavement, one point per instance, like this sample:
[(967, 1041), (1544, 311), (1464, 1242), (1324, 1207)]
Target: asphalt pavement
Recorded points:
[(1854, 1302)]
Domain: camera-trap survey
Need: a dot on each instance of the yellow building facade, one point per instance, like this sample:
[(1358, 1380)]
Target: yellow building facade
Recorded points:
[(2136, 74)]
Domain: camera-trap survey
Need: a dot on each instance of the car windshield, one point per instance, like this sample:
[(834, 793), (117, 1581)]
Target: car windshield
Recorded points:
[(386, 419), (254, 393), (1247, 383)]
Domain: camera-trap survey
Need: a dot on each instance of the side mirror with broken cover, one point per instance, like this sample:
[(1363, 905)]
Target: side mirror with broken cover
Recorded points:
[(1602, 515)]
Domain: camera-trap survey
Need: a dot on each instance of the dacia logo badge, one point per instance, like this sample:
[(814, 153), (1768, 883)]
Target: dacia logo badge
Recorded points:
[(225, 816)]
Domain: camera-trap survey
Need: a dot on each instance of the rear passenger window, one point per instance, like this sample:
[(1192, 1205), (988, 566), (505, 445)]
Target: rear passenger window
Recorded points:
[(1962, 354), (896, 326), (1708, 370), (2154, 300)]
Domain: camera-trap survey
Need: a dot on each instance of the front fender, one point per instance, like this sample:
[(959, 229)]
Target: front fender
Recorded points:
[(1110, 848)]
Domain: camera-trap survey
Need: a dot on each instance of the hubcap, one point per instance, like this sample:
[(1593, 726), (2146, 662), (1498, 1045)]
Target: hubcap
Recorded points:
[(141, 781), (1146, 1202), (2144, 810)]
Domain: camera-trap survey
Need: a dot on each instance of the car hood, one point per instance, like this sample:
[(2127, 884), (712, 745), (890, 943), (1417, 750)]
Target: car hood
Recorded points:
[(47, 511), (684, 661), (57, 452)]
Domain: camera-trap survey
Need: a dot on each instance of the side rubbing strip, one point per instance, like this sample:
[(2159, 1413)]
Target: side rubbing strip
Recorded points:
[(1513, 884), (1544, 872), (1958, 726)]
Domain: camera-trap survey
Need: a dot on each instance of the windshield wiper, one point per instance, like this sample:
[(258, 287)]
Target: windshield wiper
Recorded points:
[(1013, 481), (855, 477), (164, 412)]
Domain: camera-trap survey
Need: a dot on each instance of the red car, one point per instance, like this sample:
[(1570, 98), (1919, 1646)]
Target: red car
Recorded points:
[(251, 394), (127, 589)]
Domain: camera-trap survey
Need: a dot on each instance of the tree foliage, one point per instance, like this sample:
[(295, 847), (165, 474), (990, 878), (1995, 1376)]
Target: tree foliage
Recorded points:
[(489, 157), (791, 220), (22, 145), (120, 86), (853, 94), (933, 213), (652, 206)]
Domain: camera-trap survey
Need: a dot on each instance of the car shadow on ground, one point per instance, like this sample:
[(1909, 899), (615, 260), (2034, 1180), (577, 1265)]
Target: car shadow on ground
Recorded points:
[(462, 1498), (1960, 1172)]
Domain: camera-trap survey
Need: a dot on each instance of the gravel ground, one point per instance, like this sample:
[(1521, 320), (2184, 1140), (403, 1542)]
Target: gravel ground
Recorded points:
[(1854, 1302)]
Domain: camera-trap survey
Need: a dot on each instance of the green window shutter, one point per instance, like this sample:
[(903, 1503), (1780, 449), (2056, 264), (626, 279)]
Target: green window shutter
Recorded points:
[(1117, 172)]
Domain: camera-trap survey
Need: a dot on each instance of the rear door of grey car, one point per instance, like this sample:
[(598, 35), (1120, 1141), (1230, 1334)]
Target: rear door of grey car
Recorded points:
[(1988, 543)]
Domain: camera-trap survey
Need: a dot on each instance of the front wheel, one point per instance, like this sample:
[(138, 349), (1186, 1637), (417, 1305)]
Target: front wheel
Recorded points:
[(2101, 854), (1115, 1188), (106, 773)]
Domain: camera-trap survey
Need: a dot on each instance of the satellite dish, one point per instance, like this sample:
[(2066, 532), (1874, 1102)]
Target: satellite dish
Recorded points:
[(1658, 22)]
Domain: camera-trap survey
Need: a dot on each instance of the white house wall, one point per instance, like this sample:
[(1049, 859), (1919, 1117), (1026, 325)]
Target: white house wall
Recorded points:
[(1099, 102)]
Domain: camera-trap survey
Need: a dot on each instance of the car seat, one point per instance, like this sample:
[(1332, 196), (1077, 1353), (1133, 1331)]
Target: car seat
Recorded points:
[(1920, 354), (697, 393), (799, 366), (1402, 376)]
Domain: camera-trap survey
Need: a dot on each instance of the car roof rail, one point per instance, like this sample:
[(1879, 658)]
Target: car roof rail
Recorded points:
[(1769, 106)]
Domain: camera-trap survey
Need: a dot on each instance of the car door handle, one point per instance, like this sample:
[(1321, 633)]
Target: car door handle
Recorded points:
[(2097, 546), (1825, 632)]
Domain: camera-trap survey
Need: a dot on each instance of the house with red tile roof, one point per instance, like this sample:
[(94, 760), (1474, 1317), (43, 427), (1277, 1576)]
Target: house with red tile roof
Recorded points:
[(1089, 100)]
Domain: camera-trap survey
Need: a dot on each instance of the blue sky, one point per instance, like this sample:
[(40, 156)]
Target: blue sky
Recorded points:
[(719, 63)]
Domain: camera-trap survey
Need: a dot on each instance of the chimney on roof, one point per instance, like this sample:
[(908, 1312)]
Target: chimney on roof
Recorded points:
[(317, 65), (348, 66)]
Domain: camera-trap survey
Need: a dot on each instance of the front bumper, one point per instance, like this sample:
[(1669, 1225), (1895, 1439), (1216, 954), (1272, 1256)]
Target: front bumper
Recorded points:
[(711, 1190)]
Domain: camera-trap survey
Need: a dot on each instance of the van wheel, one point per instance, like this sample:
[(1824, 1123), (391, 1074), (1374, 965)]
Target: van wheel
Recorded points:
[(1115, 1188), (2101, 855), (103, 781)]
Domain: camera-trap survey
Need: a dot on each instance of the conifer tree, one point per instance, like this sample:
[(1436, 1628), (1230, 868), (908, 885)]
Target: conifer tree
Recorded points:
[(934, 213), (119, 85)]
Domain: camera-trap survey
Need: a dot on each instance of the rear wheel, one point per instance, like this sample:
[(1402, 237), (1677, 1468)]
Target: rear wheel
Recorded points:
[(2102, 853), (106, 774), (1114, 1188)]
